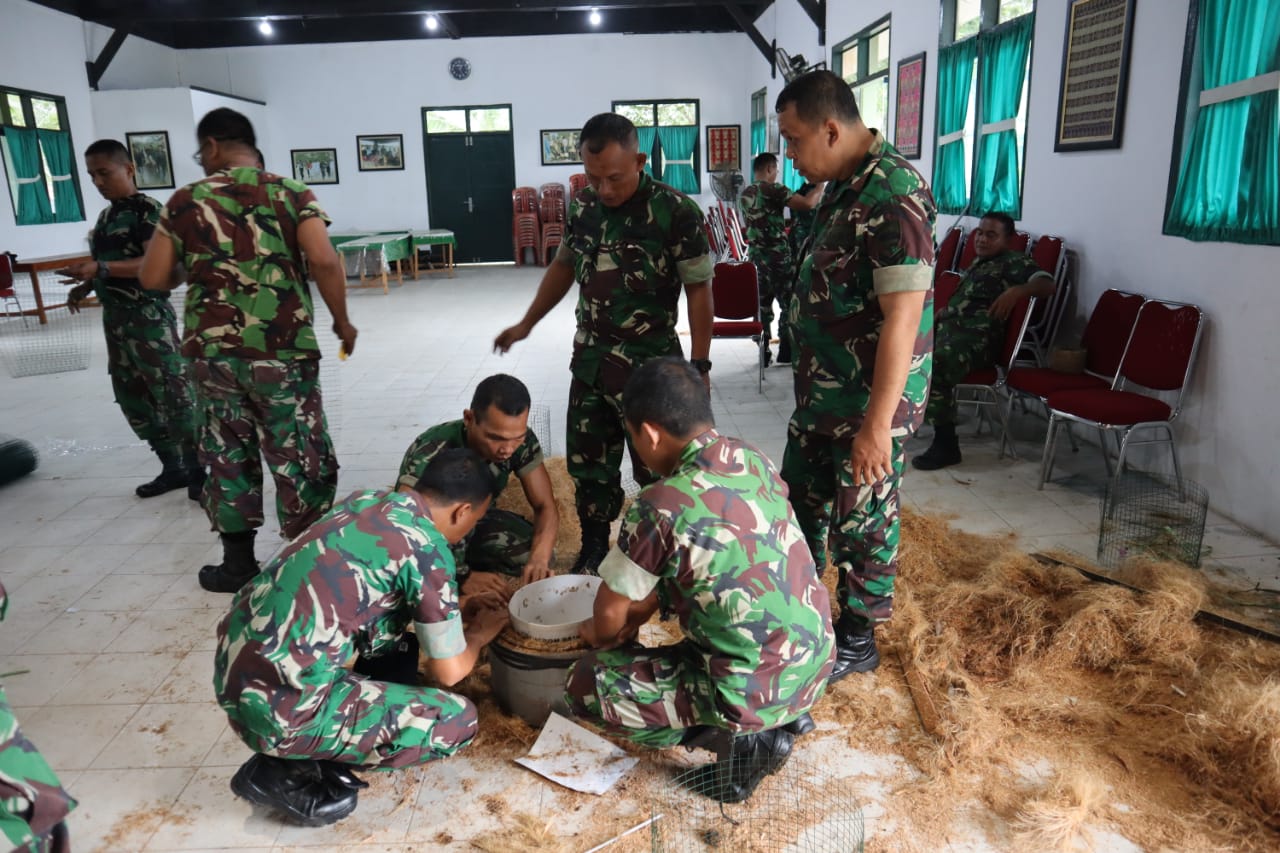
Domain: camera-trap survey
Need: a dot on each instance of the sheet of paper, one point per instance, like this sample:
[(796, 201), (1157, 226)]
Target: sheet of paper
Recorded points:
[(576, 758)]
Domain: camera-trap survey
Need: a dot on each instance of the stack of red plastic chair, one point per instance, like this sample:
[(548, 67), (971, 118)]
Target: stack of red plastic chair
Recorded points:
[(525, 233), (552, 210), (577, 183)]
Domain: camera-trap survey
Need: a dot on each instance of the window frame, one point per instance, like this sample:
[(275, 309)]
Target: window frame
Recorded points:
[(64, 124), (655, 156), (863, 75), (989, 19)]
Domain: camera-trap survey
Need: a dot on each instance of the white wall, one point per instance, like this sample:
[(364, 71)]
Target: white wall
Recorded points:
[(119, 112)]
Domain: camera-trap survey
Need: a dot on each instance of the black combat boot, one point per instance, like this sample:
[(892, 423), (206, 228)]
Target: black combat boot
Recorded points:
[(238, 564), (195, 475), (740, 768), (295, 788), (944, 451), (595, 545), (173, 475), (784, 348), (335, 773), (855, 646)]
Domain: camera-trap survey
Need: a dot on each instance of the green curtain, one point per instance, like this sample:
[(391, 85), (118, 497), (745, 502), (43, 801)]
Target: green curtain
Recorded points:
[(955, 79), (759, 136), (791, 179), (645, 135), (1229, 182), (1001, 73), (677, 157), (33, 198), (57, 153)]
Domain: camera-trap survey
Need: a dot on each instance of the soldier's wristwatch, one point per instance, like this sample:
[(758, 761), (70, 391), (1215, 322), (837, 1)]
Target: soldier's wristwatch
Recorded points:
[(702, 365)]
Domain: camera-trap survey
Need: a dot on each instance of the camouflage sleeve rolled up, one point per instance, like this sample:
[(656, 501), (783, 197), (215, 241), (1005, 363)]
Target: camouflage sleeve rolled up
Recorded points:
[(527, 457), (432, 593), (899, 239), (689, 240)]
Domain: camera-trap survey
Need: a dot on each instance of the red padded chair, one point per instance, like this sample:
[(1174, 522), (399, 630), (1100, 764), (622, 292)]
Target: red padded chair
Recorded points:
[(1159, 356), (577, 183), (1050, 255), (944, 288), (8, 295), (736, 294), (968, 253), (1019, 241), (986, 384), (948, 249)]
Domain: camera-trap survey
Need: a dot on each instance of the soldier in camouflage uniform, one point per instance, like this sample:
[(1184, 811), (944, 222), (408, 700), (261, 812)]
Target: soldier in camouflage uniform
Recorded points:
[(631, 243), (148, 375), (716, 542), (762, 205), (497, 427), (33, 804), (862, 319), (969, 332), (241, 234), (353, 582)]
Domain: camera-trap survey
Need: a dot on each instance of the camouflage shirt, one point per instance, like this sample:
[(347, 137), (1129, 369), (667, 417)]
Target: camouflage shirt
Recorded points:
[(121, 234), (720, 543), (985, 280), (352, 582), (762, 206), (631, 262), (526, 458), (872, 234), (236, 232)]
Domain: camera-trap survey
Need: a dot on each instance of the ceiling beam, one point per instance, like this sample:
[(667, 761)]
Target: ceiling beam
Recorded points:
[(817, 12), (448, 25), (98, 67), (748, 26)]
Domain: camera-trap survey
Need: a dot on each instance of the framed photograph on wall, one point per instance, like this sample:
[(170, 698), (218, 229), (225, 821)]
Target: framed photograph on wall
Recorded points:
[(560, 147), (381, 152), (152, 162), (909, 106), (315, 165), (1095, 75), (724, 147)]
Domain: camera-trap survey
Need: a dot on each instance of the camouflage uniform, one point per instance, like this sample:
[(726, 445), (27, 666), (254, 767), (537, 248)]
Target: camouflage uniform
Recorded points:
[(502, 539), (249, 333), (873, 234), (720, 544), (762, 206), (33, 803), (966, 337), (148, 374), (631, 262), (351, 583)]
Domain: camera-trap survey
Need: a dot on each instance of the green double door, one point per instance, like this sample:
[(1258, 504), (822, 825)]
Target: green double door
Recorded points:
[(471, 172)]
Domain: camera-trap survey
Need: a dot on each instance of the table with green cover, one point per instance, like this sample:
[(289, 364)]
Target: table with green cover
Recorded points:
[(435, 237), (387, 248)]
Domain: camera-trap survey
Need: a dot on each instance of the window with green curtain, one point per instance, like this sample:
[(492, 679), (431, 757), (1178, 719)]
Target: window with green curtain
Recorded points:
[(646, 135), (955, 80), (32, 202), (56, 145), (653, 120), (1225, 185), (39, 159), (862, 61), (677, 157), (759, 123), (1002, 71)]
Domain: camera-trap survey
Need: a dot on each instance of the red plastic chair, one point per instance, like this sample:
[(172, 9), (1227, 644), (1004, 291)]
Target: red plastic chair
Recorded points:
[(1159, 356), (1019, 241), (524, 200), (552, 237), (736, 294), (986, 384), (525, 234), (948, 250), (551, 189), (577, 183), (944, 288)]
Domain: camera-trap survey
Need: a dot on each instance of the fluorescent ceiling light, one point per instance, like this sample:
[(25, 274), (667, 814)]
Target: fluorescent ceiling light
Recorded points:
[(264, 27), (432, 22), (595, 18)]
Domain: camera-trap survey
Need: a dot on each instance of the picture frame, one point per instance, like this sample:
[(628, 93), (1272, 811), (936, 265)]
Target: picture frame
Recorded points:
[(152, 159), (314, 165), (380, 152), (724, 147), (908, 108), (560, 147), (1095, 75)]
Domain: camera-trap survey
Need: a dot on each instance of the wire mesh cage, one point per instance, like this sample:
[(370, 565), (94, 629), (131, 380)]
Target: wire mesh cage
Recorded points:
[(540, 423), (31, 348), (1145, 515), (794, 810)]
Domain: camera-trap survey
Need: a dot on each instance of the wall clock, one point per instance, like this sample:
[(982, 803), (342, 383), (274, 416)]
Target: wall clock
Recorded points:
[(460, 68)]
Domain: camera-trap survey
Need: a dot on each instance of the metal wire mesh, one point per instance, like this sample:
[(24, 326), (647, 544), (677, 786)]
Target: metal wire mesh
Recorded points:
[(30, 348), (1149, 515), (794, 810), (540, 423), (330, 364)]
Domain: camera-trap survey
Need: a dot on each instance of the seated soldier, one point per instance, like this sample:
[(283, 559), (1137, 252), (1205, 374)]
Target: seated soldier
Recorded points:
[(353, 581), (969, 332), (716, 542), (497, 427)]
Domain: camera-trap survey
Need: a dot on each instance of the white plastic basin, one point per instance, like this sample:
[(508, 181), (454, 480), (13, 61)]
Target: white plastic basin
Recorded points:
[(552, 609)]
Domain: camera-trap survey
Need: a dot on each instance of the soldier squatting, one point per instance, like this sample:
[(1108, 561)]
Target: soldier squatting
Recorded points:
[(719, 537)]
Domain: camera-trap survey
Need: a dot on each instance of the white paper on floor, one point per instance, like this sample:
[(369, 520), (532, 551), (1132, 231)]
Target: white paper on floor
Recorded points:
[(576, 758)]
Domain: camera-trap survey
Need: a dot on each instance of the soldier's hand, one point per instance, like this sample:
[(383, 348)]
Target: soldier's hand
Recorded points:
[(872, 456), (535, 570), (509, 336), (347, 333), (490, 621), (1002, 307), (83, 271), (473, 604), (480, 583), (77, 295)]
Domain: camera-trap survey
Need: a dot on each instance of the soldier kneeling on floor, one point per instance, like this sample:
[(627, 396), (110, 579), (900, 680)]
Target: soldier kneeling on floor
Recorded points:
[(715, 542)]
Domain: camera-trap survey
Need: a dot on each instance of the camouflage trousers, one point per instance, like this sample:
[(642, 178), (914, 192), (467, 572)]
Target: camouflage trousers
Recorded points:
[(33, 804), (775, 278), (500, 542), (255, 410), (148, 374), (370, 723), (859, 522), (956, 354), (594, 436)]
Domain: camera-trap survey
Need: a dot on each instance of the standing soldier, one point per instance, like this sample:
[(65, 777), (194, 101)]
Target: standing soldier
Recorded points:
[(148, 374), (715, 541), (631, 243), (241, 234), (762, 205), (862, 319)]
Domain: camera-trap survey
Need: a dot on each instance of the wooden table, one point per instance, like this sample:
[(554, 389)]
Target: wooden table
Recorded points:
[(389, 247), (435, 237), (35, 266)]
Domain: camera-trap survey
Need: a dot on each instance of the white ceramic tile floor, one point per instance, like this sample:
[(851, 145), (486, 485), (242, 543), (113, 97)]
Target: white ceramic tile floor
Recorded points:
[(116, 636)]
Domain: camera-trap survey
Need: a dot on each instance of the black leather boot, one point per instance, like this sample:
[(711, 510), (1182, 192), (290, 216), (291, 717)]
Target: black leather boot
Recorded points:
[(294, 788), (595, 545), (855, 647), (733, 778), (342, 775), (784, 347), (173, 475), (942, 453), (238, 565)]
